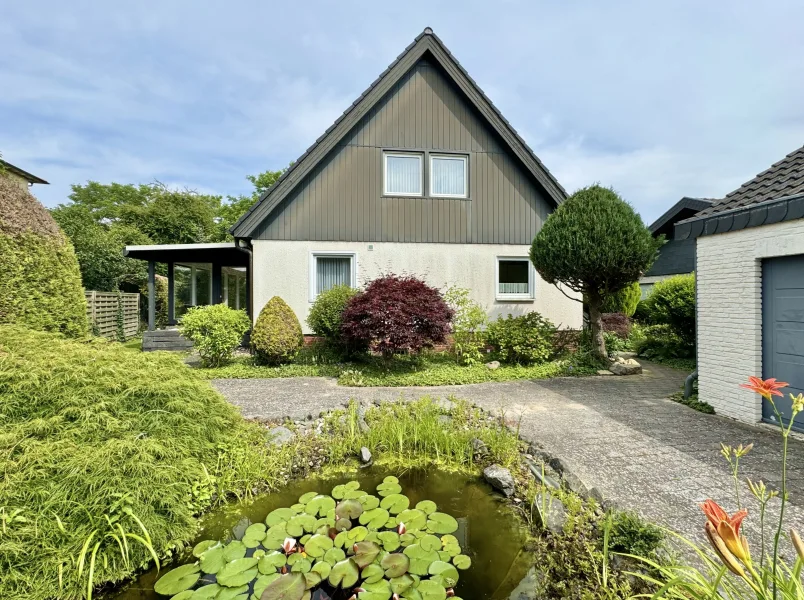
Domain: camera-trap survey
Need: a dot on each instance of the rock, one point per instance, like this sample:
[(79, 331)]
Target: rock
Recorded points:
[(529, 588), (279, 436), (493, 365), (365, 455), (555, 515), (625, 367), (500, 479), (479, 448), (604, 372), (362, 425), (626, 355)]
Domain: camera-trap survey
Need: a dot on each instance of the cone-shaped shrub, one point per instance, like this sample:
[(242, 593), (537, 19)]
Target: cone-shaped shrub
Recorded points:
[(277, 334)]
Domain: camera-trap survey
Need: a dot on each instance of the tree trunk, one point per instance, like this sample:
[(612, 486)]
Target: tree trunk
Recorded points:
[(595, 301)]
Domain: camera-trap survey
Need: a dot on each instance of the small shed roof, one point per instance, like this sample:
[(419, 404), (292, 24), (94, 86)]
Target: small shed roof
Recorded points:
[(30, 177), (225, 253)]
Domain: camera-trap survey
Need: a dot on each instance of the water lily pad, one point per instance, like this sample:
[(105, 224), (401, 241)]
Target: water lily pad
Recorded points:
[(322, 568), (395, 565), (444, 573), (312, 579), (374, 518), (263, 581), (401, 583), (254, 535), (357, 534), (341, 540), (319, 505), (302, 565), (461, 561), (275, 536), (427, 506), (185, 595), (420, 559), (389, 540), (212, 560), (431, 590), (317, 545), (238, 572), (365, 553), (390, 479), (339, 491), (430, 543), (395, 503), (177, 580), (372, 573), (298, 524), (258, 553), (348, 509), (234, 550), (272, 561), (412, 594), (202, 547), (413, 518), (334, 555), (354, 495), (343, 524), (235, 593), (379, 590), (368, 501), (287, 587), (441, 523), (450, 545), (386, 488), (443, 555), (344, 574), (280, 515), (206, 592), (305, 498), (406, 539)]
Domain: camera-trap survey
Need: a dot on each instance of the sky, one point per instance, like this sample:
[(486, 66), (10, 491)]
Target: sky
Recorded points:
[(659, 100)]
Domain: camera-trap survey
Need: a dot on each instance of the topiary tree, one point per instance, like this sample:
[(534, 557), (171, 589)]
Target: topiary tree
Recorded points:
[(595, 244), (625, 301), (397, 314), (277, 334), (326, 313), (40, 282)]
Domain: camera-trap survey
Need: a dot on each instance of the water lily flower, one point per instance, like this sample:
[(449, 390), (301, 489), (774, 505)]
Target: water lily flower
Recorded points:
[(289, 545), (797, 543), (395, 596), (765, 387), (450, 593), (726, 529), (401, 529)]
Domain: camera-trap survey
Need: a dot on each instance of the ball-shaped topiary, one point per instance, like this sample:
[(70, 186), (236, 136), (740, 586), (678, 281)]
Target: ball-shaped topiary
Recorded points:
[(594, 243), (277, 334), (40, 282), (326, 313), (396, 314), (625, 301)]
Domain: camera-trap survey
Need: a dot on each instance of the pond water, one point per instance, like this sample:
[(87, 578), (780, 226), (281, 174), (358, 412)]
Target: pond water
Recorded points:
[(488, 531)]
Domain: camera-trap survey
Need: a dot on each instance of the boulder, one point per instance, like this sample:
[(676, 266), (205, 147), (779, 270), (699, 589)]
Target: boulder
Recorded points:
[(625, 367), (495, 364), (365, 455), (279, 436), (555, 515), (479, 448), (500, 479)]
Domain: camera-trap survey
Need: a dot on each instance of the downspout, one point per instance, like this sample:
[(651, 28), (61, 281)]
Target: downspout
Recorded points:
[(244, 245), (688, 383)]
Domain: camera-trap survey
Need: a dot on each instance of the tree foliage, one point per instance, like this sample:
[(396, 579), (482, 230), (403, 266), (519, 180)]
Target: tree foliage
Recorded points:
[(672, 303), (625, 301)]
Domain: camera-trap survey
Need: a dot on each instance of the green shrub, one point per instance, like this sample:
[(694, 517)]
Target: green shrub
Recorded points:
[(40, 282), (672, 303), (468, 322), (642, 314), (216, 331), (522, 340), (625, 301), (277, 334), (662, 342), (326, 313), (631, 535)]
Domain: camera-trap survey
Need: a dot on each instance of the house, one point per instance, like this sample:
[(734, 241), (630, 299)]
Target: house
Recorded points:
[(420, 175), (676, 257), (24, 178), (750, 291)]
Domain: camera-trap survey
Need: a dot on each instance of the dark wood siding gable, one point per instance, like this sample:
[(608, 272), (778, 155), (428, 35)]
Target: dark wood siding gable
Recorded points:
[(342, 198)]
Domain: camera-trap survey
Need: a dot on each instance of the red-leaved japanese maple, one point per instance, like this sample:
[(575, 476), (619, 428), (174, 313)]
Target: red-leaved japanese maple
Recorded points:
[(396, 314)]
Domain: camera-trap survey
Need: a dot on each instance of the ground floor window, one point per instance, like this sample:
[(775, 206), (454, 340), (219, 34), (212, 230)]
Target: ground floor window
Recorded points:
[(514, 278), (328, 269)]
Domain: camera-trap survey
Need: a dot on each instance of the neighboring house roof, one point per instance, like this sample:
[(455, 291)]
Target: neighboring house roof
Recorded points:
[(20, 173), (775, 195), (685, 204), (425, 43)]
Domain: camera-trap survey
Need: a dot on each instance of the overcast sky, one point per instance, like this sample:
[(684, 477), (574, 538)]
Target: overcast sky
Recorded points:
[(658, 99)]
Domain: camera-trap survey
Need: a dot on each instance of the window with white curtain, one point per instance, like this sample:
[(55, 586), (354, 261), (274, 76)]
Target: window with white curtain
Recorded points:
[(328, 269), (515, 279), (448, 176), (403, 174)]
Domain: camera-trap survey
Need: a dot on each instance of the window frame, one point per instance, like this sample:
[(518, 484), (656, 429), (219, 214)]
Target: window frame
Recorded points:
[(313, 275), (531, 293), (464, 158), (399, 153)]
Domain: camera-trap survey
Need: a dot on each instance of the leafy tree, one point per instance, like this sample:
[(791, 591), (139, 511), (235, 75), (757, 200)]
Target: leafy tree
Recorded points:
[(595, 244), (235, 207)]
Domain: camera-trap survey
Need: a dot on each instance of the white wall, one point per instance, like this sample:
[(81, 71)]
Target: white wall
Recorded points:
[(729, 273), (282, 268)]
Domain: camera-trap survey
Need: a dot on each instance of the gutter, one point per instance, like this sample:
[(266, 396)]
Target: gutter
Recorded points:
[(248, 250)]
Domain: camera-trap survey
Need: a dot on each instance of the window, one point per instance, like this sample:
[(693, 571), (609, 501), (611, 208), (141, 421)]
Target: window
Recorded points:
[(514, 278), (328, 269), (448, 176), (403, 174)]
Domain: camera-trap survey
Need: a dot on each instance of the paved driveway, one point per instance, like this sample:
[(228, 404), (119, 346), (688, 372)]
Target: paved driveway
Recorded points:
[(619, 434)]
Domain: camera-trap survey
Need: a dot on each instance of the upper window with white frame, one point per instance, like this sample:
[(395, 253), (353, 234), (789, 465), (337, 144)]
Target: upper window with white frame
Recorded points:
[(328, 269), (515, 280), (449, 176), (403, 174)]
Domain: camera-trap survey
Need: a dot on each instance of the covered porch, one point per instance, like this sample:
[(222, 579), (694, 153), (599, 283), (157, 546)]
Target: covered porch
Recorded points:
[(197, 275)]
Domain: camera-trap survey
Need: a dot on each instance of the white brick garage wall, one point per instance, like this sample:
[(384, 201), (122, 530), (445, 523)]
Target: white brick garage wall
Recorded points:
[(729, 272)]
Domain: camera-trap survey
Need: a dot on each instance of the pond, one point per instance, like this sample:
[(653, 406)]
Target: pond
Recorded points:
[(488, 530)]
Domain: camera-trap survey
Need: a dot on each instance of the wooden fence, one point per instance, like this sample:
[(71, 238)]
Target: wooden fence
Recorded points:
[(102, 313)]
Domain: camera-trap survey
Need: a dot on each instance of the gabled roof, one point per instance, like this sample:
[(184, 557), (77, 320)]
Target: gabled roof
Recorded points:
[(425, 43), (20, 173), (696, 204)]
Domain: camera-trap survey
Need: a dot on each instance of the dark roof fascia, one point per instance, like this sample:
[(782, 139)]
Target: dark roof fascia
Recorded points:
[(695, 204), (788, 208), (30, 177), (425, 42)]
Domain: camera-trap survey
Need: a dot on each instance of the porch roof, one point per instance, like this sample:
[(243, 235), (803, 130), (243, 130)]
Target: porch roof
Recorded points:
[(225, 253)]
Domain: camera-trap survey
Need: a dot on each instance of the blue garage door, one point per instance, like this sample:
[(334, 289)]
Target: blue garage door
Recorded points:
[(783, 330)]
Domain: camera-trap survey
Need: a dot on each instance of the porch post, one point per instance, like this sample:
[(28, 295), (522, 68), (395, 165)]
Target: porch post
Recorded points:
[(151, 295), (193, 301), (248, 291), (237, 293), (171, 294), (216, 283)]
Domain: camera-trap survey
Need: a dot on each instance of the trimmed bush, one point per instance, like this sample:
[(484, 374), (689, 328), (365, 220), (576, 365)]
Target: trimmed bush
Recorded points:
[(326, 313), (277, 334), (40, 282), (216, 331), (522, 340), (396, 314), (625, 301), (672, 303)]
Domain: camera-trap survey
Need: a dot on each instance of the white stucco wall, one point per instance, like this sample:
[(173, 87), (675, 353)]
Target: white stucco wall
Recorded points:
[(282, 268), (729, 273)]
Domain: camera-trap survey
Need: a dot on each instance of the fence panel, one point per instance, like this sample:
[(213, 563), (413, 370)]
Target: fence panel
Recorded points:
[(102, 313)]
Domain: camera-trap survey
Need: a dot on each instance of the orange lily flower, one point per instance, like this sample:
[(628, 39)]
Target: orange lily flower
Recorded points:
[(726, 529), (764, 387)]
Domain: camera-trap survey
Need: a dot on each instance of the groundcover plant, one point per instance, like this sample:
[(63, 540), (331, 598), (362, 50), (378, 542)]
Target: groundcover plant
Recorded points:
[(349, 544)]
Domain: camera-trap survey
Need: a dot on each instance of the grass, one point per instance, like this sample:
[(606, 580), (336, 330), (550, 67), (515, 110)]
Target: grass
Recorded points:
[(693, 403)]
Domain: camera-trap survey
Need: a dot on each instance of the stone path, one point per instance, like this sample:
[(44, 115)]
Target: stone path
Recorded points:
[(619, 434)]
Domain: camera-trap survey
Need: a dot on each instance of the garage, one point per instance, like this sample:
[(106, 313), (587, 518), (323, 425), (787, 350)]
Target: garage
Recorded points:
[(783, 331)]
